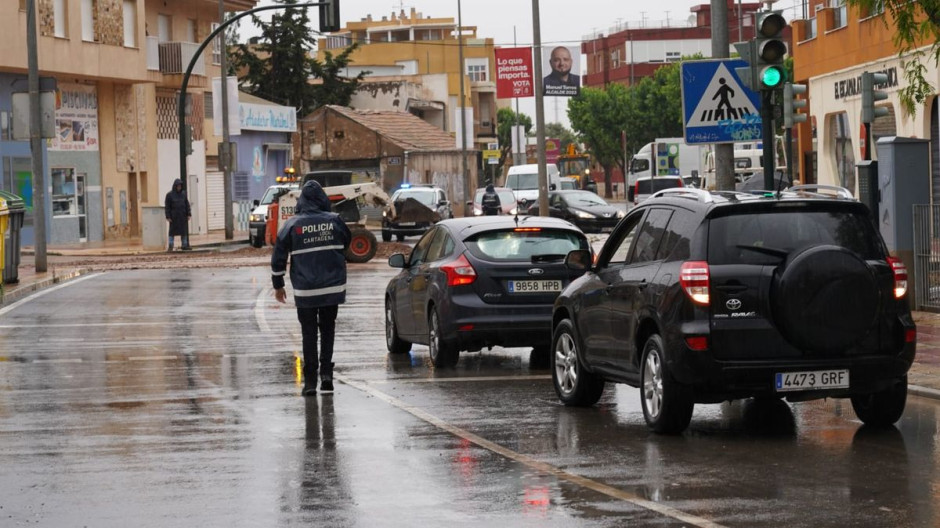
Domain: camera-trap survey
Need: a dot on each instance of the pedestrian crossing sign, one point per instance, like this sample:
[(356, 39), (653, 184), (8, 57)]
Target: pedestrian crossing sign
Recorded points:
[(716, 106)]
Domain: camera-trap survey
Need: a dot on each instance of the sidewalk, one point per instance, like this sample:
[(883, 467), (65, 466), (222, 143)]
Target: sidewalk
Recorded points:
[(923, 379)]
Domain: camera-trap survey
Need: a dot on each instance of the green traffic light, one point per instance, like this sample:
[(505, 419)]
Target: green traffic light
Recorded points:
[(771, 77)]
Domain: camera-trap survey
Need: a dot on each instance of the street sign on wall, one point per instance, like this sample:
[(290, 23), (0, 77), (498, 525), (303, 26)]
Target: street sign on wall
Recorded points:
[(716, 106)]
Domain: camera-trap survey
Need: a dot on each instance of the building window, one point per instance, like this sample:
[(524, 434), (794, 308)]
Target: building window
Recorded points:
[(216, 44), (839, 14), (877, 8), (477, 70), (59, 18), (191, 30), (207, 104), (841, 137), (64, 192), (338, 41), (615, 59), (240, 187), (88, 20), (164, 28), (130, 23)]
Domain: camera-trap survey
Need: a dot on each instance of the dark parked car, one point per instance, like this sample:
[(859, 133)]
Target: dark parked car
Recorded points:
[(701, 297), (584, 209), (480, 282), (413, 209)]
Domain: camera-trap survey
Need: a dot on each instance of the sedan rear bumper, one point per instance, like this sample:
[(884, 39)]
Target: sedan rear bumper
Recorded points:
[(476, 324)]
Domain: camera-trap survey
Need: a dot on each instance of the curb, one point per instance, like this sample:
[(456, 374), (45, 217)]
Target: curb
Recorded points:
[(14, 296), (131, 253), (923, 392)]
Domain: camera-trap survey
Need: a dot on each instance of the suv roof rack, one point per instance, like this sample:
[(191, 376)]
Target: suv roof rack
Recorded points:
[(700, 195), (815, 188)]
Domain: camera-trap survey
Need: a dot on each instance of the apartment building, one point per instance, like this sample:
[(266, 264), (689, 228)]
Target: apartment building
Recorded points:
[(833, 45), (631, 51), (116, 67), (414, 66)]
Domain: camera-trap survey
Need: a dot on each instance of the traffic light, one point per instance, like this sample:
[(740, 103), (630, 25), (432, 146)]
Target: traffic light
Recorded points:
[(329, 16), (870, 112), (769, 50), (792, 105)]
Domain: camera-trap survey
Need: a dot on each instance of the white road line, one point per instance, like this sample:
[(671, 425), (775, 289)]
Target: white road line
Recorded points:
[(262, 321), (62, 360), (525, 377), (42, 292), (151, 358), (528, 461)]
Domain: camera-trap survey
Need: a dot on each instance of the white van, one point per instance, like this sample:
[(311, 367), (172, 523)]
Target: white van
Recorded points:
[(524, 181)]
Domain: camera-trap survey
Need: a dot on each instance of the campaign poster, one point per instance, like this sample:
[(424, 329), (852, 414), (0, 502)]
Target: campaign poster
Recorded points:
[(514, 73), (76, 118), (563, 65)]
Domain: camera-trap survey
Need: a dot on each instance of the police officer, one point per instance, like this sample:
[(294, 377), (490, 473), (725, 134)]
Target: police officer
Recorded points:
[(315, 240), (490, 202)]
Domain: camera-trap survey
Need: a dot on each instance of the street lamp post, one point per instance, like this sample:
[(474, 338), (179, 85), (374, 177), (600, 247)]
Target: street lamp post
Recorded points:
[(463, 110)]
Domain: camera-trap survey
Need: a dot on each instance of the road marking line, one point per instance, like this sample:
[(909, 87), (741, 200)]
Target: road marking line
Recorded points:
[(525, 377), (40, 293), (151, 358), (537, 465), (63, 360), (259, 311)]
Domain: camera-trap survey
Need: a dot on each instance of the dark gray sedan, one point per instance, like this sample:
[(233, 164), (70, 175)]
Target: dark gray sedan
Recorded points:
[(584, 209), (471, 283)]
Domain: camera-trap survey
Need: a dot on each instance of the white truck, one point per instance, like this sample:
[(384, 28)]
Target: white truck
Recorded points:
[(666, 157)]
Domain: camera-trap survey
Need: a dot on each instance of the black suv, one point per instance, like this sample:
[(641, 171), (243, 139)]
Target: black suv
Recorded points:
[(702, 297)]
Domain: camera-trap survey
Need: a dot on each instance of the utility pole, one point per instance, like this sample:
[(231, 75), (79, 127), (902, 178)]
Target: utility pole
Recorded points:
[(539, 109), (468, 192), (724, 152), (35, 139), (518, 158), (225, 154)]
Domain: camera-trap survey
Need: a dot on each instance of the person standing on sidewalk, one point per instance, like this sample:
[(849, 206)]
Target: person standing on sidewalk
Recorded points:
[(315, 240), (176, 207)]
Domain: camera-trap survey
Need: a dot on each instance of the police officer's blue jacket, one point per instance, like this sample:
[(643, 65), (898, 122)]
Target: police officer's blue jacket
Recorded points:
[(316, 241)]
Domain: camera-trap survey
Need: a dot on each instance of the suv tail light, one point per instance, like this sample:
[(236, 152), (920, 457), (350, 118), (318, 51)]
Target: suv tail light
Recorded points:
[(459, 272), (900, 276), (693, 277)]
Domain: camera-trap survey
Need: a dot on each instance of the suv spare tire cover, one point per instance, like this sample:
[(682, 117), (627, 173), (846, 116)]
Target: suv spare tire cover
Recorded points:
[(825, 298)]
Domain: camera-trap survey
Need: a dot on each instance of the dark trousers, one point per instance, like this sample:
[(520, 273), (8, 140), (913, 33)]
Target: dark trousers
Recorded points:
[(312, 321)]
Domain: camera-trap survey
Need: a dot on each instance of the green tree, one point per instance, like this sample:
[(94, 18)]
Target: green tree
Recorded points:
[(597, 116), (278, 65), (506, 118), (916, 24)]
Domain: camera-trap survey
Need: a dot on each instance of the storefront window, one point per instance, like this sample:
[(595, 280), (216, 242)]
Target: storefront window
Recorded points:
[(64, 192), (842, 150)]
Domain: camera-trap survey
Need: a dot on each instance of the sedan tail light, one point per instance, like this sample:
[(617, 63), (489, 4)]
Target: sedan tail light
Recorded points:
[(693, 277), (459, 272), (900, 276)]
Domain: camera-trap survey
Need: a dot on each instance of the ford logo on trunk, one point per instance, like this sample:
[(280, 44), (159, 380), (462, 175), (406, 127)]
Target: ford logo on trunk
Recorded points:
[(536, 271), (733, 304)]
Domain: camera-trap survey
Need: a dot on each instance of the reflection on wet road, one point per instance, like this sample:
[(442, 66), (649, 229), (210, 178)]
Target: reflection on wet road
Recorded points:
[(172, 398)]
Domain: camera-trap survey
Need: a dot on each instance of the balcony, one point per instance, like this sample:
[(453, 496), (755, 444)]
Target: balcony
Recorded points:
[(174, 57)]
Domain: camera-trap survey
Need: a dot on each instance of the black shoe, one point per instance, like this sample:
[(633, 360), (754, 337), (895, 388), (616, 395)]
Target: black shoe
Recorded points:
[(326, 386), (311, 390), (187, 248)]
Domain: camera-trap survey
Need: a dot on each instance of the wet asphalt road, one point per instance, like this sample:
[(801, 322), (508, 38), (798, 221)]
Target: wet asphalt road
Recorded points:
[(171, 398)]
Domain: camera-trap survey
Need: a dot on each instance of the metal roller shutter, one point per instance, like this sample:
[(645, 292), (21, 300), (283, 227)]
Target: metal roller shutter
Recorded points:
[(215, 201)]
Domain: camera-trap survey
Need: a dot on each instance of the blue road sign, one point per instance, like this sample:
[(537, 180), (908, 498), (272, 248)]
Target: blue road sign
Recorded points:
[(716, 106)]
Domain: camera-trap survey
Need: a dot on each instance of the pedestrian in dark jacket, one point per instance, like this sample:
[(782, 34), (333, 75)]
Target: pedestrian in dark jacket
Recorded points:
[(490, 202), (176, 207), (315, 240)]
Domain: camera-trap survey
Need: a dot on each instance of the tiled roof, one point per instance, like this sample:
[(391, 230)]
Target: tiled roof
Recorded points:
[(407, 130)]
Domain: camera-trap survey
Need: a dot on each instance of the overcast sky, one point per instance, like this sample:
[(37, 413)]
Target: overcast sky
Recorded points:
[(563, 22)]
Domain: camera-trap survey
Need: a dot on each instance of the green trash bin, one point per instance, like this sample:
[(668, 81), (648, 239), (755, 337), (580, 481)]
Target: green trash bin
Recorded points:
[(16, 213)]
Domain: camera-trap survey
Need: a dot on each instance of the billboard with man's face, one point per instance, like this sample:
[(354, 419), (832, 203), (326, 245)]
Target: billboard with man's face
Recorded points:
[(563, 65)]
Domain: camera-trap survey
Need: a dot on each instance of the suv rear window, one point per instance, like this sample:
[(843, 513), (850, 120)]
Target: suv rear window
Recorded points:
[(522, 245), (753, 238), (657, 184)]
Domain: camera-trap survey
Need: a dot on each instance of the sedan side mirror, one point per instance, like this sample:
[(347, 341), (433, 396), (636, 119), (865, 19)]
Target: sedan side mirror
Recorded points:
[(397, 261), (256, 203), (578, 260)]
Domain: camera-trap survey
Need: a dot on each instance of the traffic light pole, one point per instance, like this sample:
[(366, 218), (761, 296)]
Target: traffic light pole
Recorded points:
[(767, 134)]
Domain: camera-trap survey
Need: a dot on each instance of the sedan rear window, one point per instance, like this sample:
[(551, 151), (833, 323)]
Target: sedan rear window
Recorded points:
[(523, 244), (767, 237)]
